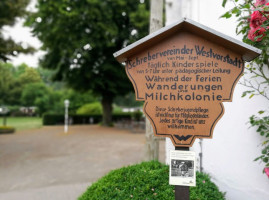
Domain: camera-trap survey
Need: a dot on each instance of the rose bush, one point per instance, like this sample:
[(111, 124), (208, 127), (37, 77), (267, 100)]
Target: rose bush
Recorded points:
[(253, 24), (266, 170)]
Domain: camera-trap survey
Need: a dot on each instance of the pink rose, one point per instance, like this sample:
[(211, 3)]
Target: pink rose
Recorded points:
[(260, 2), (254, 32), (256, 19), (266, 170)]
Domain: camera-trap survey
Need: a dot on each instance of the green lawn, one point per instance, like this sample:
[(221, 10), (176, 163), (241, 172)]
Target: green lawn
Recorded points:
[(23, 123)]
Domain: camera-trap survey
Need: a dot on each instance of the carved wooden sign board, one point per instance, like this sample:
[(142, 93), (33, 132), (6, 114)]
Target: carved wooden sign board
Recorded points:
[(183, 73)]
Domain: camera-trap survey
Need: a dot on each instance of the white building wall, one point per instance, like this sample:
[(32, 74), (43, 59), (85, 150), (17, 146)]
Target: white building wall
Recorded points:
[(228, 157)]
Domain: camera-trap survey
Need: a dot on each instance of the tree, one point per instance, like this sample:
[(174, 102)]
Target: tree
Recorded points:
[(6, 82), (22, 75), (30, 75), (80, 38), (37, 94), (9, 11)]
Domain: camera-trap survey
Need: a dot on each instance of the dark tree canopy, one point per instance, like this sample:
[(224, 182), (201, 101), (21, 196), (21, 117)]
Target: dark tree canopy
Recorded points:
[(80, 37), (10, 10)]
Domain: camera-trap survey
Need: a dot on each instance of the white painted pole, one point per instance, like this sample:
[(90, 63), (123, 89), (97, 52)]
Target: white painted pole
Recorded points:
[(66, 105), (156, 22)]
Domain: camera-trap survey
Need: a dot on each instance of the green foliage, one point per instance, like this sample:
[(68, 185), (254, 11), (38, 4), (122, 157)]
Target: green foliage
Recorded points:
[(6, 82), (30, 75), (7, 129), (89, 109), (263, 129), (57, 119), (137, 115), (9, 11), (13, 80), (117, 110), (25, 86), (47, 76), (148, 180), (77, 99), (37, 94), (96, 108), (52, 119), (80, 38), (128, 100)]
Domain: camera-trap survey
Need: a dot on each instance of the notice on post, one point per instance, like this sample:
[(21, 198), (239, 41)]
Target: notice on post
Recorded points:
[(183, 81), (182, 168)]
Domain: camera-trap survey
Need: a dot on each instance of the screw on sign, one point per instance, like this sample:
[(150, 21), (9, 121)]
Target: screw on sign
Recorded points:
[(184, 72)]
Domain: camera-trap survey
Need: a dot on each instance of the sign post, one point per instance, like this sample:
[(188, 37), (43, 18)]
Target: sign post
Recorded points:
[(184, 73), (182, 192)]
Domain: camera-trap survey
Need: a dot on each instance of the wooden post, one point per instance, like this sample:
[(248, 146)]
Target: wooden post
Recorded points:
[(156, 22), (182, 192)]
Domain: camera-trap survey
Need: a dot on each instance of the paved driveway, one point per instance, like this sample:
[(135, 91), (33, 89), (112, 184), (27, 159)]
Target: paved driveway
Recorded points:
[(46, 164)]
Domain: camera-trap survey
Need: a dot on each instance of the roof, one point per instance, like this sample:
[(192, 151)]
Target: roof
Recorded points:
[(248, 52)]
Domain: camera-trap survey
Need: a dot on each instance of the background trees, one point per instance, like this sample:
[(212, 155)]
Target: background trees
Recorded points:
[(25, 86), (9, 11), (80, 38)]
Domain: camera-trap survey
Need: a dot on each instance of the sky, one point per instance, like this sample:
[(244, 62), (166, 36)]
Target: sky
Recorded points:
[(208, 13)]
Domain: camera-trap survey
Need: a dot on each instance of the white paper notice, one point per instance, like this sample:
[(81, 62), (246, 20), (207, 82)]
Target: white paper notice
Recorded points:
[(182, 168)]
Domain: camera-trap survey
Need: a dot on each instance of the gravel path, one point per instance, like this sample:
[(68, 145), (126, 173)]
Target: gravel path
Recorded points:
[(46, 164)]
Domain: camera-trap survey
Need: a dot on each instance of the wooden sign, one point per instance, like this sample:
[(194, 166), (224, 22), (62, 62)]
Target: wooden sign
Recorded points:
[(183, 78)]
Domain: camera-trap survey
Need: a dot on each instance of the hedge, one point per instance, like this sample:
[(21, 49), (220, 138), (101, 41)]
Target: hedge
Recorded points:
[(148, 180), (7, 129), (58, 119)]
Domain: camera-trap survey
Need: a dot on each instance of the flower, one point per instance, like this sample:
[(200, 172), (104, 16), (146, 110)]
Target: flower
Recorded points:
[(266, 170), (260, 2), (256, 19), (203, 181), (254, 32)]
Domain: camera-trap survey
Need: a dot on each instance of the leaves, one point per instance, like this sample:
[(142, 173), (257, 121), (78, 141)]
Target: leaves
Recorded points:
[(9, 12), (227, 15), (224, 3), (263, 128), (81, 36), (148, 180)]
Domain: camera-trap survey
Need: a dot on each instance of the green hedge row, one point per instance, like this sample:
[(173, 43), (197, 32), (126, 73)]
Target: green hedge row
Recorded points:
[(7, 129), (58, 119)]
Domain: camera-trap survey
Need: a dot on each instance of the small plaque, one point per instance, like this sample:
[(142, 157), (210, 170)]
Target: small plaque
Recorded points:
[(182, 168)]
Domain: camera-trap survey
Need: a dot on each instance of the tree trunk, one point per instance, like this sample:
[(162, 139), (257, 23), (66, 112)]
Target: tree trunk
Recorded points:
[(107, 111)]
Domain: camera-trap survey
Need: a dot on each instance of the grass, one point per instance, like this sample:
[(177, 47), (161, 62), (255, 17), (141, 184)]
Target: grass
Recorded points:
[(23, 123)]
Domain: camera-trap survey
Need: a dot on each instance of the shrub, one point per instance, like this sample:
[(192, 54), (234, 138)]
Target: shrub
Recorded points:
[(90, 109), (7, 129), (148, 180), (137, 115), (53, 119), (117, 110), (58, 119)]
